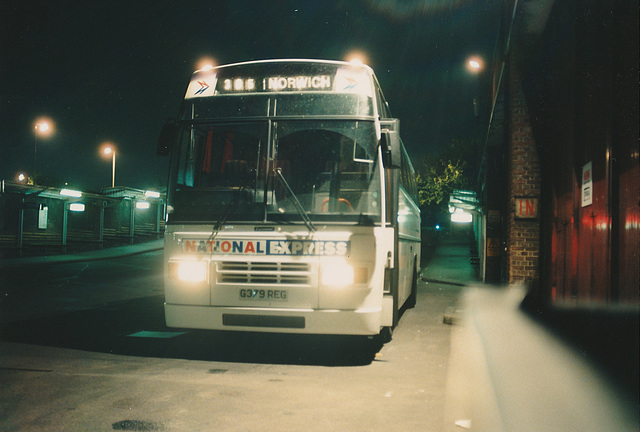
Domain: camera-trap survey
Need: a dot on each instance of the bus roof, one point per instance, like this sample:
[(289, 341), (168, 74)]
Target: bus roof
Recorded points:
[(290, 60), (282, 76)]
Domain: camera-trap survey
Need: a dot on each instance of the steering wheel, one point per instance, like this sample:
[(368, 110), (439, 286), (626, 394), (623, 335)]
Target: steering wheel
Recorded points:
[(342, 200)]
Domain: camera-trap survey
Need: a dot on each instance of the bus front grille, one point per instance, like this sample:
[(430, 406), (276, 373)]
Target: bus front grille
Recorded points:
[(263, 273)]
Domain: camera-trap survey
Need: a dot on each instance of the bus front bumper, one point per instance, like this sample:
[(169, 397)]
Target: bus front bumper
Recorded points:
[(309, 321)]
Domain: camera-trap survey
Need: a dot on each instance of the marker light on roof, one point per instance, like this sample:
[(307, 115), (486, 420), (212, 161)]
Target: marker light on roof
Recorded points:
[(70, 193)]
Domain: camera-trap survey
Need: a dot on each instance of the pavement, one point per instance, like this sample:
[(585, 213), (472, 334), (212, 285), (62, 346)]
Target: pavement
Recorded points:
[(507, 370)]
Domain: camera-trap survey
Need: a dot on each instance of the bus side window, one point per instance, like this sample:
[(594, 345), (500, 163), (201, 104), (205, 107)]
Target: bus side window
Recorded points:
[(383, 108), (407, 176)]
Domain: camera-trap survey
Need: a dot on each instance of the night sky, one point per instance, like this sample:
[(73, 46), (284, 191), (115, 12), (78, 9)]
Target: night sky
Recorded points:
[(116, 71)]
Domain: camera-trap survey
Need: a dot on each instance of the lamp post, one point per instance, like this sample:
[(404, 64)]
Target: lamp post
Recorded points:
[(43, 127), (475, 66), (110, 150)]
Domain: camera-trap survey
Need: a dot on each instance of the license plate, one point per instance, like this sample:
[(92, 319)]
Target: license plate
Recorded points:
[(263, 294)]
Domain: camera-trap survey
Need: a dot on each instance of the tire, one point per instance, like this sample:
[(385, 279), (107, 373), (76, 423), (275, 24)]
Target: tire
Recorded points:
[(386, 334)]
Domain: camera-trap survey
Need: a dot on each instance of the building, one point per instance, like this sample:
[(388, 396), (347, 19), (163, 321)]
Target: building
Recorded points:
[(560, 179)]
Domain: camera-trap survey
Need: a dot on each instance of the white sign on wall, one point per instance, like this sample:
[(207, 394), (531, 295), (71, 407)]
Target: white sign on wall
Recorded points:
[(43, 214), (587, 185)]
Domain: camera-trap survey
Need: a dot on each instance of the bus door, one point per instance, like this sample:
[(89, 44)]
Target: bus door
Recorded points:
[(390, 143), (392, 269)]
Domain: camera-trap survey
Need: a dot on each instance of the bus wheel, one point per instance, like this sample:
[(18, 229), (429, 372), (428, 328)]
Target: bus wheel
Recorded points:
[(386, 334)]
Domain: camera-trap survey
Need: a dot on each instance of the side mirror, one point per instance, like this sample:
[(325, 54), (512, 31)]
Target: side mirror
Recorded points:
[(167, 138), (390, 145)]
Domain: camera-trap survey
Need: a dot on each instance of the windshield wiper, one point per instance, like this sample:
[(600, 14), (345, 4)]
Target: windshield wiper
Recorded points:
[(296, 202), (233, 204)]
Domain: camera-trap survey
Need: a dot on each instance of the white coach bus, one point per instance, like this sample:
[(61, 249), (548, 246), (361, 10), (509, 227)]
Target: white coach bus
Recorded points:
[(291, 204)]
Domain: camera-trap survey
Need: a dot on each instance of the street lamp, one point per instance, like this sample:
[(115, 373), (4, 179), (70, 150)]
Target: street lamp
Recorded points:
[(43, 127), (475, 64), (111, 150)]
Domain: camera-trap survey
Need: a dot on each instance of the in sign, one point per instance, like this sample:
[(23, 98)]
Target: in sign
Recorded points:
[(526, 208)]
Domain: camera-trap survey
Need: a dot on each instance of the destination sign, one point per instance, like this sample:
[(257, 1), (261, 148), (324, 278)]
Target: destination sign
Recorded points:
[(278, 83), (212, 82), (267, 247)]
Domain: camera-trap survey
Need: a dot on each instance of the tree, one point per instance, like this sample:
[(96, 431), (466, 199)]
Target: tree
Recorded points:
[(455, 168), (438, 180)]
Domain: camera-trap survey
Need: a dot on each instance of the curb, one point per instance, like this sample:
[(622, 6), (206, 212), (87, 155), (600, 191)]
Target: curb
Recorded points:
[(116, 252)]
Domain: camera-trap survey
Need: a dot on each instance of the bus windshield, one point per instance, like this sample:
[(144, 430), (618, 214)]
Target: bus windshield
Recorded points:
[(272, 170)]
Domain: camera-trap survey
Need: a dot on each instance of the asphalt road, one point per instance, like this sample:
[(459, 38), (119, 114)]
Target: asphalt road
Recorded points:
[(83, 347)]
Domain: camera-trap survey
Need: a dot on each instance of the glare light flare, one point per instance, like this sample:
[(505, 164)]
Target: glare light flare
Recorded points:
[(43, 126), (461, 216), (108, 149), (475, 64), (337, 273), (192, 271), (206, 63), (357, 58)]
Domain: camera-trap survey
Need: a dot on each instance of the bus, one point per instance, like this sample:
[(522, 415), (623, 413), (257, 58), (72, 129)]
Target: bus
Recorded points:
[(291, 203)]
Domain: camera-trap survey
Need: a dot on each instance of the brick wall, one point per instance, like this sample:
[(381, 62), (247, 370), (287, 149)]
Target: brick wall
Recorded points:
[(523, 234)]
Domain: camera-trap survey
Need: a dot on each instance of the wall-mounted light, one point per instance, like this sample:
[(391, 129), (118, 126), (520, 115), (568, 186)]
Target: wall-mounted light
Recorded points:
[(76, 207), (461, 216)]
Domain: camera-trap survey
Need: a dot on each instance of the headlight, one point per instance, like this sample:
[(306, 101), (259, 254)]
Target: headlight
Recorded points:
[(337, 274), (188, 271)]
